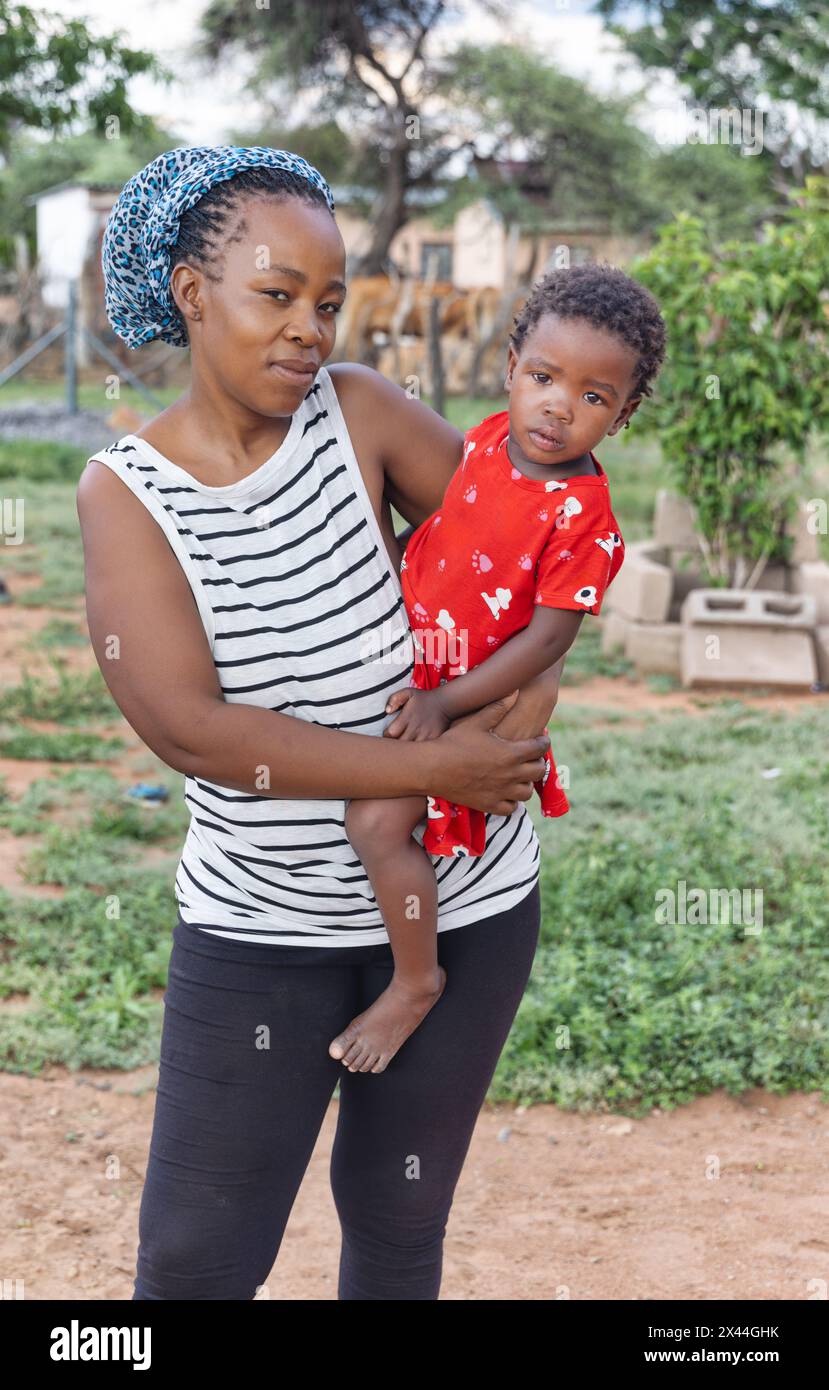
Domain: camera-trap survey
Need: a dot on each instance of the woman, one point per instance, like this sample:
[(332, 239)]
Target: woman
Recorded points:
[(245, 609)]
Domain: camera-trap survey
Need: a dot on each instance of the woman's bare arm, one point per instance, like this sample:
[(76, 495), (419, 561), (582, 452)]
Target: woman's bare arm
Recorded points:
[(150, 644)]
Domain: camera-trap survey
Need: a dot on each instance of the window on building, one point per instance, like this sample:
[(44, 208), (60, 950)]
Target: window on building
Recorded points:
[(429, 250)]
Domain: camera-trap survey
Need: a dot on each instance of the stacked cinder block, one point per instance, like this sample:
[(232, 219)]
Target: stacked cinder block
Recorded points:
[(639, 603), (658, 614), (748, 637), (812, 578)]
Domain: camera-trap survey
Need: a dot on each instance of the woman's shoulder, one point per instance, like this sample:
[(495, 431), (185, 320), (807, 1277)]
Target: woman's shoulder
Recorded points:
[(356, 383), (416, 447), (359, 386)]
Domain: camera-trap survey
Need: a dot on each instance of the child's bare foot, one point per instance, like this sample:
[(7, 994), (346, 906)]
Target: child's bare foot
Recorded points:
[(372, 1038)]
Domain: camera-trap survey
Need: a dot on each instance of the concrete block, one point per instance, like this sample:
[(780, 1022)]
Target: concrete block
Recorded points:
[(642, 588), (654, 647), (685, 579), (614, 632), (776, 577), (760, 608), (748, 637), (806, 548), (733, 655), (674, 521), (821, 635), (809, 578)]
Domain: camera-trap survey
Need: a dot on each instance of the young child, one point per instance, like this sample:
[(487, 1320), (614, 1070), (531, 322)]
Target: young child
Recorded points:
[(496, 583)]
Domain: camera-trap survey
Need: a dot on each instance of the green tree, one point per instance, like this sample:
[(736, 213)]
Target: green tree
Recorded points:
[(583, 150), (729, 192), (747, 374), (362, 58), (53, 72), (742, 54), (39, 164)]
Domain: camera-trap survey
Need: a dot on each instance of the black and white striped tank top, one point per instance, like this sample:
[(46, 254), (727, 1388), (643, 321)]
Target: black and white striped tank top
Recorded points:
[(304, 614)]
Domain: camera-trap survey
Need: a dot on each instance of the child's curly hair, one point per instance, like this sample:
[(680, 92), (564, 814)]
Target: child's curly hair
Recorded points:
[(607, 298)]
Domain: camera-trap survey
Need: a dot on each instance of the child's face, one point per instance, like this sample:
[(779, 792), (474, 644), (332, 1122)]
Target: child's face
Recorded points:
[(569, 386)]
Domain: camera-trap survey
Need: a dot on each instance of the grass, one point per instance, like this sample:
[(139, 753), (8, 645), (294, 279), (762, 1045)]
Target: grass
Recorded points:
[(90, 963), (94, 801), (585, 658), (51, 546), (26, 388), (65, 747), (39, 461), (625, 1011), (59, 632), (69, 698)]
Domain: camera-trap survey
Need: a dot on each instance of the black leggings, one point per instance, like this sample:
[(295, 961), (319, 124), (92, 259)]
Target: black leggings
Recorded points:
[(244, 1081)]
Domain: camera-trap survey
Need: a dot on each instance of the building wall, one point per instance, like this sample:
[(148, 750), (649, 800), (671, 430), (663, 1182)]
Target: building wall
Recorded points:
[(480, 248), (65, 225), (476, 247)]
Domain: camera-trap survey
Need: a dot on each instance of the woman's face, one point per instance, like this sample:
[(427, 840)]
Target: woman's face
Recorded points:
[(281, 284)]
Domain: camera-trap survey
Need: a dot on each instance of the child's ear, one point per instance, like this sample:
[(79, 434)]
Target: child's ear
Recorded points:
[(629, 408), (512, 358)]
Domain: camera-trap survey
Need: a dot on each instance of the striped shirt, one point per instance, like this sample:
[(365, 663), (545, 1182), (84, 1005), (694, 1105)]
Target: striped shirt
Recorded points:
[(304, 614)]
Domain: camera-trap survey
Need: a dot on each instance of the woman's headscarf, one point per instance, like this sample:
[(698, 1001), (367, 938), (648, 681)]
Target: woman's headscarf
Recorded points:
[(143, 226)]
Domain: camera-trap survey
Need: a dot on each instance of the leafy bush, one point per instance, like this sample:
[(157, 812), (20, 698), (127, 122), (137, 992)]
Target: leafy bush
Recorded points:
[(747, 376)]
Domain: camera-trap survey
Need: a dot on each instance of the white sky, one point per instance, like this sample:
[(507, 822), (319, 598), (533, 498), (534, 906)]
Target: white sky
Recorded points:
[(572, 38)]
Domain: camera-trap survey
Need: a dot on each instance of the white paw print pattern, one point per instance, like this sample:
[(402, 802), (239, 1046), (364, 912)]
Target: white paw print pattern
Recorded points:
[(497, 603), (610, 542), (525, 562), (571, 506), (471, 493), (481, 563)]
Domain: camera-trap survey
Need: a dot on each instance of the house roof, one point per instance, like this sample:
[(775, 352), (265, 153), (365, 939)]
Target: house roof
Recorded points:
[(73, 183)]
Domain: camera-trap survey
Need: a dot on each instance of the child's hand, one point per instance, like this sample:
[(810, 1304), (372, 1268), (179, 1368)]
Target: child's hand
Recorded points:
[(421, 716)]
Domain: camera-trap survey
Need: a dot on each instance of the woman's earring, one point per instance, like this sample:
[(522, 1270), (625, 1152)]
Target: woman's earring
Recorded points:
[(627, 424)]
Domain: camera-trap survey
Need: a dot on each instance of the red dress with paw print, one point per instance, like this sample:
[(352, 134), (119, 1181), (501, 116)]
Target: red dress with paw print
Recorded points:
[(474, 570)]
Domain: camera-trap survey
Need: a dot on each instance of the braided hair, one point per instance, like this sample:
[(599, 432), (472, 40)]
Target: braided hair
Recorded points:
[(204, 234)]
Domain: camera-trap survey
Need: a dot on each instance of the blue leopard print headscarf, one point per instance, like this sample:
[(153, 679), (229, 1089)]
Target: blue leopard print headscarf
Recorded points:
[(143, 226)]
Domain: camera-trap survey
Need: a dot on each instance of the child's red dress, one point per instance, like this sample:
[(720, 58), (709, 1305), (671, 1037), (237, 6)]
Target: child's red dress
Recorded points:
[(473, 571)]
